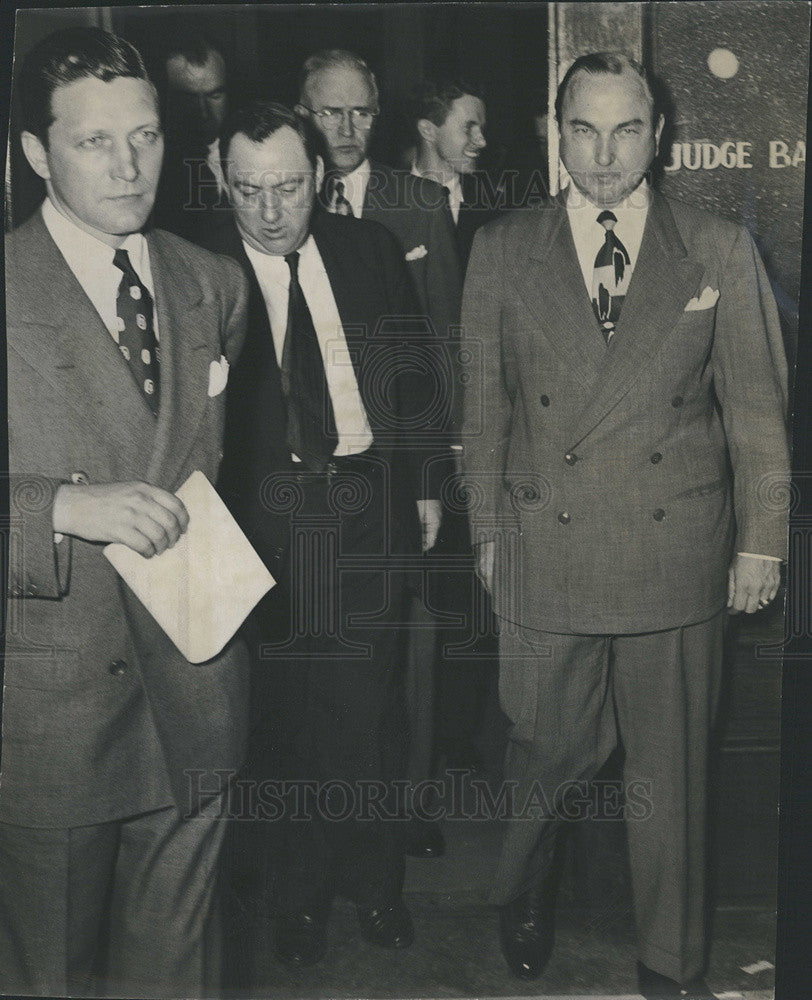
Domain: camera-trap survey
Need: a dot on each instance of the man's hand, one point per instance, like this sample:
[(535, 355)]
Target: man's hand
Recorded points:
[(138, 515), (752, 583), (429, 512), (484, 564)]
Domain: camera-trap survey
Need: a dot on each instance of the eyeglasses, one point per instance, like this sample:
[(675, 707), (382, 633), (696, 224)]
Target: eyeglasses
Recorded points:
[(331, 118)]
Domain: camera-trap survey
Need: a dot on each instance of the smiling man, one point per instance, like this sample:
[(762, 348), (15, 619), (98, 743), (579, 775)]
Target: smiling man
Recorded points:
[(633, 360), (450, 123), (112, 335)]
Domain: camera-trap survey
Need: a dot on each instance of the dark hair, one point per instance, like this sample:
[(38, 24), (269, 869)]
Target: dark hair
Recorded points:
[(194, 46), (606, 62), (67, 56), (332, 58), (432, 99), (259, 120)]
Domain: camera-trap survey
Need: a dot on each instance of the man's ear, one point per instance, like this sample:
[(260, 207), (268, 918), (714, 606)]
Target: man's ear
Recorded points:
[(300, 110), (319, 173), (427, 130), (35, 154)]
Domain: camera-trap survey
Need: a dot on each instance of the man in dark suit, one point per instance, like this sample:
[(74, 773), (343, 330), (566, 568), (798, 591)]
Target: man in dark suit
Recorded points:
[(320, 472), (612, 407), (449, 119), (191, 198), (117, 350), (339, 95)]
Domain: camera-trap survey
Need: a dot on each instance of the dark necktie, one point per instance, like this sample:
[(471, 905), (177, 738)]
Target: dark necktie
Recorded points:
[(311, 420), (610, 277), (136, 333), (338, 204)]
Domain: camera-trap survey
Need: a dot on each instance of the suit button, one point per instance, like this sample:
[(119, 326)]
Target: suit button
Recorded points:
[(564, 517), (545, 400), (80, 478), (656, 457), (677, 402), (118, 667), (570, 459), (658, 514)]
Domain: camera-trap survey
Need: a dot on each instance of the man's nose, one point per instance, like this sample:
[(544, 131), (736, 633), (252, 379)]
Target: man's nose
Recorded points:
[(346, 125), (270, 206), (125, 162), (604, 150), (479, 139)]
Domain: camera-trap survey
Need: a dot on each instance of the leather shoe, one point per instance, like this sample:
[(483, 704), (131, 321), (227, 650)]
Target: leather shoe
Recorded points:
[(424, 839), (654, 986), (301, 939), (387, 926), (527, 931)]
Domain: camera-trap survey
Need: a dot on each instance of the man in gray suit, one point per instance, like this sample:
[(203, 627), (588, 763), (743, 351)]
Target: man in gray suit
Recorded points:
[(118, 348), (632, 357)]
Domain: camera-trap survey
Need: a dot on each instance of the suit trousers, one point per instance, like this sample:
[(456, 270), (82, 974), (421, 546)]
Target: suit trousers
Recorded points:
[(124, 908), (328, 690), (570, 698)]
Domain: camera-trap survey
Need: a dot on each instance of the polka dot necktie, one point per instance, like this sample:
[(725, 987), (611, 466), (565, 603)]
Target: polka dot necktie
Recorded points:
[(610, 277), (337, 202), (136, 333), (311, 419)]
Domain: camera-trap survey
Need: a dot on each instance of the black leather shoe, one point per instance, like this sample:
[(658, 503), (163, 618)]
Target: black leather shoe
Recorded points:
[(527, 931), (424, 839), (654, 986), (301, 939), (387, 926)]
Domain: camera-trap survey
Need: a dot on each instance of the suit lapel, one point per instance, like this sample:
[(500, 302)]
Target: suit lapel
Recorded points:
[(186, 355), (552, 287), (67, 341), (663, 281)]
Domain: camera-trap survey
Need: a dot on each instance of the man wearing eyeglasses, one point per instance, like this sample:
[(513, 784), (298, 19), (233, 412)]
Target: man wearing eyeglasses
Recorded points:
[(339, 94)]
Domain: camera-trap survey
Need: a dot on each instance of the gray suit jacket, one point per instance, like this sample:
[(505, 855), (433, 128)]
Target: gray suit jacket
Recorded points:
[(102, 717), (619, 481)]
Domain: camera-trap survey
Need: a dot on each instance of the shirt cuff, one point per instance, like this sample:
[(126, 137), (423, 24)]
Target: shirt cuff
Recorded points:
[(755, 555)]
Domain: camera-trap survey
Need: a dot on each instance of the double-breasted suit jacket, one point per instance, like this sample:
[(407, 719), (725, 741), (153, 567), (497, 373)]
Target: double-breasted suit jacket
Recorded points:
[(620, 480), (102, 717)]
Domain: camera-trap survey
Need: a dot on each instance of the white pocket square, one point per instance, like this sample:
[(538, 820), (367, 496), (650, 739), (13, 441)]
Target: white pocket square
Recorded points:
[(218, 376), (417, 253), (707, 300)]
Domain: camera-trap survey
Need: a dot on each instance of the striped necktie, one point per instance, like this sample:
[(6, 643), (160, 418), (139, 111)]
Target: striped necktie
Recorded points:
[(336, 201)]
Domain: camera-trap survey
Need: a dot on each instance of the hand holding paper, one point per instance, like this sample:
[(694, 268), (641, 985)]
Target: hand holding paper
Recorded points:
[(201, 590)]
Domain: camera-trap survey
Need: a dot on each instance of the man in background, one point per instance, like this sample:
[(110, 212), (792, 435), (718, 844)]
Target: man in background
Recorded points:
[(191, 197), (338, 94), (118, 352)]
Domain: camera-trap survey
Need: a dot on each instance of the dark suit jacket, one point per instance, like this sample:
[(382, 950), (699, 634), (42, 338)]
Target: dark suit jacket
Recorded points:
[(373, 294), (102, 716), (635, 530)]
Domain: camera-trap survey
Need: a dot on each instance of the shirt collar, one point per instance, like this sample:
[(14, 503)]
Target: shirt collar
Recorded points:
[(276, 265), (355, 186), (84, 252)]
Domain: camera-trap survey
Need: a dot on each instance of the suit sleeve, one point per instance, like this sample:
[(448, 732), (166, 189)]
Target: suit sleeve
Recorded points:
[(750, 378), (38, 565), (487, 405)]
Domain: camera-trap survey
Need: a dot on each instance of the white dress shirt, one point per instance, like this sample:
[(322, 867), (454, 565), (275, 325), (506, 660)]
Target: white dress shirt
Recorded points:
[(589, 235), (92, 264), (453, 186), (355, 187), (273, 275)]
